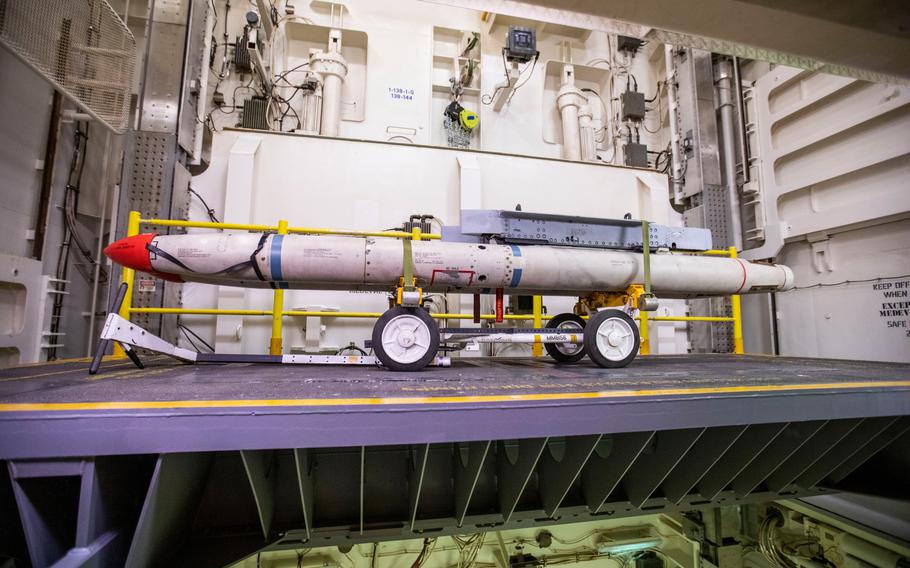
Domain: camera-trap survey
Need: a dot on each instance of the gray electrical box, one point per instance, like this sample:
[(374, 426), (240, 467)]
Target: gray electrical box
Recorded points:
[(635, 155), (632, 105), (521, 44)]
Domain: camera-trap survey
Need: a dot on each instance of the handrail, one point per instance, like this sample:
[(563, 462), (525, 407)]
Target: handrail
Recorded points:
[(290, 230)]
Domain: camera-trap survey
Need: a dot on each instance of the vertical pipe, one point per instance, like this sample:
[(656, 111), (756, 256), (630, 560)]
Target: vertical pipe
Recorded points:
[(741, 111), (476, 308), (275, 345), (312, 104), (737, 317), (586, 134), (646, 255), (537, 348), (645, 347), (331, 104), (728, 149), (128, 277), (571, 139), (47, 176)]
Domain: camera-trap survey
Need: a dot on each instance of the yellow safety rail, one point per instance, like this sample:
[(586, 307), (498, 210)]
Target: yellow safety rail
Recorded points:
[(735, 308), (277, 313)]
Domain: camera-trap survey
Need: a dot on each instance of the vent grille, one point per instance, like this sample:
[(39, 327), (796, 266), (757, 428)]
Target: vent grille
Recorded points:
[(82, 48), (255, 114)]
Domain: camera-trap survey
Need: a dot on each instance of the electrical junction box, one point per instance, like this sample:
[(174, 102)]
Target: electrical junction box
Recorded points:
[(635, 155), (632, 105), (521, 44), (629, 44), (648, 559)]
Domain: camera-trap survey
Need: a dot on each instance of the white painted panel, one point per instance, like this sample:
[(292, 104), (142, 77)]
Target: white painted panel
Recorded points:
[(834, 161), (318, 182)]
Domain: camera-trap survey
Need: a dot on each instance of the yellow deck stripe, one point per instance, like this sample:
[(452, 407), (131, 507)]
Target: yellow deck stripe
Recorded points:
[(175, 404)]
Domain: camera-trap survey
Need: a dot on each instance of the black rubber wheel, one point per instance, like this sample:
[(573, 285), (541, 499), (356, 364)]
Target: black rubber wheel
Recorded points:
[(405, 339), (554, 350), (611, 338)]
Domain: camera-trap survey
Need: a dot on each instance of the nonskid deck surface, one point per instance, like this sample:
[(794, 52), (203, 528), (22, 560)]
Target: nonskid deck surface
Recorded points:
[(59, 410), (476, 379)]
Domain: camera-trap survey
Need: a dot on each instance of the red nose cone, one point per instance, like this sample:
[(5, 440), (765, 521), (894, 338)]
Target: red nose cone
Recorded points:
[(131, 252)]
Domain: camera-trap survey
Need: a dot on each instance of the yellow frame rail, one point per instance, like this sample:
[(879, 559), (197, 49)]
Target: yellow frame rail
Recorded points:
[(735, 309), (277, 313)]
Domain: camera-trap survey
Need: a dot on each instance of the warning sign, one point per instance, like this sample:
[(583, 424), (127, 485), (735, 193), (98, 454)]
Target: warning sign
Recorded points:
[(146, 285), (894, 307)]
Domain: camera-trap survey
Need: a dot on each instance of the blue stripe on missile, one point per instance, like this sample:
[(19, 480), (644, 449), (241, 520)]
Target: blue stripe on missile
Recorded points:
[(515, 250), (275, 257), (516, 277)]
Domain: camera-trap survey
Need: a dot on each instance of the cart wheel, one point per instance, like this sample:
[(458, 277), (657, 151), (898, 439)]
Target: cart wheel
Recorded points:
[(611, 338), (405, 339), (566, 352)]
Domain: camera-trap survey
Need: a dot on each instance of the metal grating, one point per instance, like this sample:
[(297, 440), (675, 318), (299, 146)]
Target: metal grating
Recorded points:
[(761, 54), (82, 48), (150, 177)]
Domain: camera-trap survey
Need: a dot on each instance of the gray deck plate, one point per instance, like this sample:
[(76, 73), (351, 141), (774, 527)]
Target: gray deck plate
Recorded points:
[(163, 380), (173, 407)]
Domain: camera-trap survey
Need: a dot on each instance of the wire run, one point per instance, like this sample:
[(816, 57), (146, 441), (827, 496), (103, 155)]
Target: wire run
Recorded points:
[(847, 282)]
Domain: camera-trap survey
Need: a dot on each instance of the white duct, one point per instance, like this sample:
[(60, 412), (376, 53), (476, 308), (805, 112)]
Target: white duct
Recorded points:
[(354, 263), (333, 68), (569, 100)]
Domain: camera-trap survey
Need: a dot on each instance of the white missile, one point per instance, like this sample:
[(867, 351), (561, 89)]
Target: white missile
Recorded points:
[(356, 263)]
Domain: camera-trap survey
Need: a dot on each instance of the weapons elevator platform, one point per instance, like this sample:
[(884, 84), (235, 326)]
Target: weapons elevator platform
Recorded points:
[(355, 454), (57, 409)]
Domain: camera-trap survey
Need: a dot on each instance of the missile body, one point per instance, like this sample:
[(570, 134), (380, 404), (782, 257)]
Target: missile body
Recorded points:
[(321, 262)]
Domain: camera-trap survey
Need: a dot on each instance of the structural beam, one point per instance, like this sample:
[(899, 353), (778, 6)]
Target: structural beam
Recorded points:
[(260, 471), (467, 475), (649, 470), (611, 460), (516, 464), (557, 476), (752, 442), (695, 464), (170, 505), (781, 449), (305, 486)]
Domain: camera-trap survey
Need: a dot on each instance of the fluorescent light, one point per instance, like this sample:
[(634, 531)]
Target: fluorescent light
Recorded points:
[(630, 545)]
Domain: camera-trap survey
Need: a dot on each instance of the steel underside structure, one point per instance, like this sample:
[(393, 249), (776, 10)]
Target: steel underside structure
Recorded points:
[(210, 463)]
